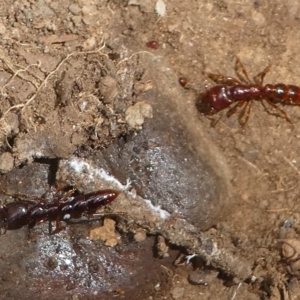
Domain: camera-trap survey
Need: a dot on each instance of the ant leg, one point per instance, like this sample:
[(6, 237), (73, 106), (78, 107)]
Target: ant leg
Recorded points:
[(64, 189), (22, 197), (246, 112), (278, 109), (259, 78), (58, 227), (67, 195), (234, 109), (62, 195), (241, 71), (221, 79), (214, 121)]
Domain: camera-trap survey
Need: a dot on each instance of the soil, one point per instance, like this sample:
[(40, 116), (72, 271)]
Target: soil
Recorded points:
[(95, 94)]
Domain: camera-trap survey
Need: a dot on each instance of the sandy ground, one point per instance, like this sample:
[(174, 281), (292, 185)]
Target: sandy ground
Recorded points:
[(91, 97)]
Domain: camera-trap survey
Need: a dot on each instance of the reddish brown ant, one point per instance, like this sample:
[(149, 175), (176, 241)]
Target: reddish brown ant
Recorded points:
[(34, 210), (243, 92)]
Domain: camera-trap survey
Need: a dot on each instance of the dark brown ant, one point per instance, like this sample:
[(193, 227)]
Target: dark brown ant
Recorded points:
[(243, 92), (32, 211)]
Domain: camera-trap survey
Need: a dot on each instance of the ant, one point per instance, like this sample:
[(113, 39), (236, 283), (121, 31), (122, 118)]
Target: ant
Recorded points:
[(242, 92), (64, 206)]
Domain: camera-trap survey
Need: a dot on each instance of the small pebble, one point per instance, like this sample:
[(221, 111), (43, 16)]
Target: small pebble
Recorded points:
[(177, 293), (197, 277), (140, 236), (136, 114), (183, 81), (75, 9), (152, 44), (6, 162)]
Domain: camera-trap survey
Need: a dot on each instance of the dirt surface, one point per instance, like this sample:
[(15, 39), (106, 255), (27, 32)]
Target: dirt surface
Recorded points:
[(91, 98)]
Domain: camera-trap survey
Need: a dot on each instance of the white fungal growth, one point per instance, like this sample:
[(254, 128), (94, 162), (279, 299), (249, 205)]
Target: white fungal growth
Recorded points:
[(80, 166), (158, 210)]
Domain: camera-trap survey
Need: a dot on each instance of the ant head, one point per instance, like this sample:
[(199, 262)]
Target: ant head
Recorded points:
[(203, 105)]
